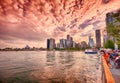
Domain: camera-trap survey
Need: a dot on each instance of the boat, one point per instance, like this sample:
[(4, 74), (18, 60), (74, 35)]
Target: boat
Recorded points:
[(91, 51)]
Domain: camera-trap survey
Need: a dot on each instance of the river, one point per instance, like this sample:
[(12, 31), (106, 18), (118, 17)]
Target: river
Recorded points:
[(49, 67)]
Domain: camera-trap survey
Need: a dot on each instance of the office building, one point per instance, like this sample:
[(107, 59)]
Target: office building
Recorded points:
[(84, 44), (58, 45), (63, 43), (91, 42), (68, 37), (98, 38), (69, 41), (50, 44)]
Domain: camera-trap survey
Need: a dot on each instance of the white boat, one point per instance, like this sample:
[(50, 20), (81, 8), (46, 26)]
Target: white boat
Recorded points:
[(91, 51)]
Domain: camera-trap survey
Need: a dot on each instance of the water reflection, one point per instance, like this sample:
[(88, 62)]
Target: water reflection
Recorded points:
[(66, 61), (48, 67), (50, 58)]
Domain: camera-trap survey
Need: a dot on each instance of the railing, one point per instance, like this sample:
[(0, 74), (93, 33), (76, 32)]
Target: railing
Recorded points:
[(106, 74)]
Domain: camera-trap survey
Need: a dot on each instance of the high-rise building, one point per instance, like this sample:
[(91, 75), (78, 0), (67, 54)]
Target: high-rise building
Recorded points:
[(98, 38), (78, 45), (68, 37), (69, 41), (91, 42), (66, 43), (84, 44), (58, 45), (63, 43), (50, 43)]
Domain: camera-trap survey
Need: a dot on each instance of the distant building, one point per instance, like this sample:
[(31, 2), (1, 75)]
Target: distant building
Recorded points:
[(78, 45), (91, 42), (50, 44), (69, 41), (73, 44), (63, 43), (98, 38), (27, 47), (66, 43), (58, 45), (68, 37), (84, 44)]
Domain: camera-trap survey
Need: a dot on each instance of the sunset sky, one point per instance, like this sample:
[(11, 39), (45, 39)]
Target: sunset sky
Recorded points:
[(31, 22)]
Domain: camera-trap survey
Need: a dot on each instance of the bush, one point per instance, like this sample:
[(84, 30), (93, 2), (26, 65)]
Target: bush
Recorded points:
[(109, 44)]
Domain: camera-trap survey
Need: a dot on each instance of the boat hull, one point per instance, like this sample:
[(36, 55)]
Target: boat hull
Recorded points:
[(90, 52)]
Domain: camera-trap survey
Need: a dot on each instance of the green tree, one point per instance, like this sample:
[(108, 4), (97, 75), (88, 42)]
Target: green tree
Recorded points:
[(113, 29), (118, 44), (109, 44)]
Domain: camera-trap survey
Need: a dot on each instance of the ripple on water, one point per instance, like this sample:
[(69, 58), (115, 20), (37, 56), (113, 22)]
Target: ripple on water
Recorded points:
[(48, 67)]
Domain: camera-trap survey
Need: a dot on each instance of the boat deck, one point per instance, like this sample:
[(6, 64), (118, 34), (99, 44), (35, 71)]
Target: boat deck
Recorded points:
[(115, 72)]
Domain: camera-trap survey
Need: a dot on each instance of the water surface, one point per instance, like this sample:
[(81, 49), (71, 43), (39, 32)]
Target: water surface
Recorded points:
[(49, 67)]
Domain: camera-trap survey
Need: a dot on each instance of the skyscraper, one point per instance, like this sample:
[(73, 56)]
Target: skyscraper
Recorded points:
[(98, 38), (63, 43), (91, 42), (68, 37), (84, 44), (68, 41), (50, 43)]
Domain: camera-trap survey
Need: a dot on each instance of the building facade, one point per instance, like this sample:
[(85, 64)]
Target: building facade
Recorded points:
[(91, 42), (98, 38), (84, 44), (63, 43), (50, 44)]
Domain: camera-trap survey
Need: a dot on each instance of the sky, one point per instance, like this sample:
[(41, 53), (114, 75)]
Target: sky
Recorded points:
[(31, 22)]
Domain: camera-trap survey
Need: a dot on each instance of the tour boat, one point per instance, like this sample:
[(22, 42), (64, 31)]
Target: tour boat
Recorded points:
[(90, 51)]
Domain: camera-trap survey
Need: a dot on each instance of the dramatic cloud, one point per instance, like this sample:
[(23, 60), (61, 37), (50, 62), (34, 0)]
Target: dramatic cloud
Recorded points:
[(31, 21)]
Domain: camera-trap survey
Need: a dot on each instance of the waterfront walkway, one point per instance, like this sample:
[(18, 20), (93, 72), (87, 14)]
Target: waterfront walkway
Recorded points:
[(115, 72)]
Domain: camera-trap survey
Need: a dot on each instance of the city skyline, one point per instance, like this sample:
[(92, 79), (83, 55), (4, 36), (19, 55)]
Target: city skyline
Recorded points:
[(32, 22)]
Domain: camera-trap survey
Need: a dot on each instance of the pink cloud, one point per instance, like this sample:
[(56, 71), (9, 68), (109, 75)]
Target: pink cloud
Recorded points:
[(37, 20)]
